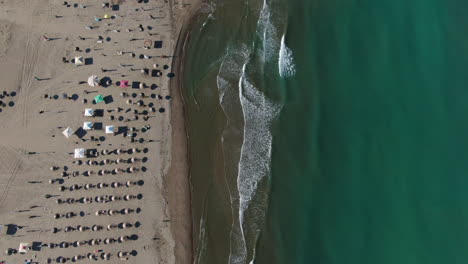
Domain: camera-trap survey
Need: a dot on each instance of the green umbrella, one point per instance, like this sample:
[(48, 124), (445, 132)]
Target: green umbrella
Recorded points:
[(99, 98)]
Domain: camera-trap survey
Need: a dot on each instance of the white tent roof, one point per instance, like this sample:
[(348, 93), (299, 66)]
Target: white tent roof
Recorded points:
[(79, 60), (68, 132), (89, 112), (110, 129), (79, 153), (22, 247), (93, 80), (88, 125)]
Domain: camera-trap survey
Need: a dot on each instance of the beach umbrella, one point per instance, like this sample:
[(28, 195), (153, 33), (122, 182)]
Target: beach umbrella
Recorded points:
[(95, 228), (68, 132), (64, 245), (105, 256), (129, 101), (79, 61), (93, 81), (79, 153), (126, 225), (88, 200), (122, 239), (122, 254), (124, 84), (129, 183), (89, 112), (88, 125), (110, 129), (99, 98)]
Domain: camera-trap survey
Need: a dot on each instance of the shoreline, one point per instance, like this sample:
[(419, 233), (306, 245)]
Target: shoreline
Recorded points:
[(178, 180)]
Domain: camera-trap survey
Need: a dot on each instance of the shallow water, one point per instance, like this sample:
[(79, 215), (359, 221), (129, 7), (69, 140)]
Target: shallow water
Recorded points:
[(329, 131)]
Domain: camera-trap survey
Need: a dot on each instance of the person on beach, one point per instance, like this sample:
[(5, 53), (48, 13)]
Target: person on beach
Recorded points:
[(45, 38), (37, 79)]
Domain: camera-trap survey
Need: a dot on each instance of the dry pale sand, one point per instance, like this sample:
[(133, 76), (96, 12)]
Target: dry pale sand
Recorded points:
[(31, 128)]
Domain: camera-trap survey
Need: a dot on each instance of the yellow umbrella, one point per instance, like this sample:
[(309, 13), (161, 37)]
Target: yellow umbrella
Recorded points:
[(106, 16)]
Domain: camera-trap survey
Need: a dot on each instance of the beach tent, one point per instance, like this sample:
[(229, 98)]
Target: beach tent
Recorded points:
[(88, 125), (79, 61), (124, 84), (110, 129), (93, 81), (68, 132), (99, 98), (89, 112), (79, 153)]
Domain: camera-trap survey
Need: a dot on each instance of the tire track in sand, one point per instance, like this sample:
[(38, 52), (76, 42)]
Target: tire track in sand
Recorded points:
[(14, 172)]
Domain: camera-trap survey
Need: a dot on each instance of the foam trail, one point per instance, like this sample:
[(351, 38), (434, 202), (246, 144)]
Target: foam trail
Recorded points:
[(255, 158), (227, 81), (286, 65)]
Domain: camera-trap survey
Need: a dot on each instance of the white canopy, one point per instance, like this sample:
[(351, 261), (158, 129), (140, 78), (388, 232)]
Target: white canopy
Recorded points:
[(23, 247), (110, 129), (89, 112), (79, 153), (93, 80), (79, 60), (88, 125), (68, 132)]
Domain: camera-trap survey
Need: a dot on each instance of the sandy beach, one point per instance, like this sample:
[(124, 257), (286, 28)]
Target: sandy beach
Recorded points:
[(128, 197)]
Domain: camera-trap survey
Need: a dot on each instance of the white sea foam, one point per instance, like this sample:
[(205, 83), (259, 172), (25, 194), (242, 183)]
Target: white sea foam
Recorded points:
[(254, 165), (268, 33), (286, 65), (201, 251), (227, 81)]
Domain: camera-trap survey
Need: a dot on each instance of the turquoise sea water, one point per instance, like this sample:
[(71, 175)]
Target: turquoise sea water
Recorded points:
[(329, 132)]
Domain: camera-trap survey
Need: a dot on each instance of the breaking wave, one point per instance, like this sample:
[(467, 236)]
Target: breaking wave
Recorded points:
[(286, 65)]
